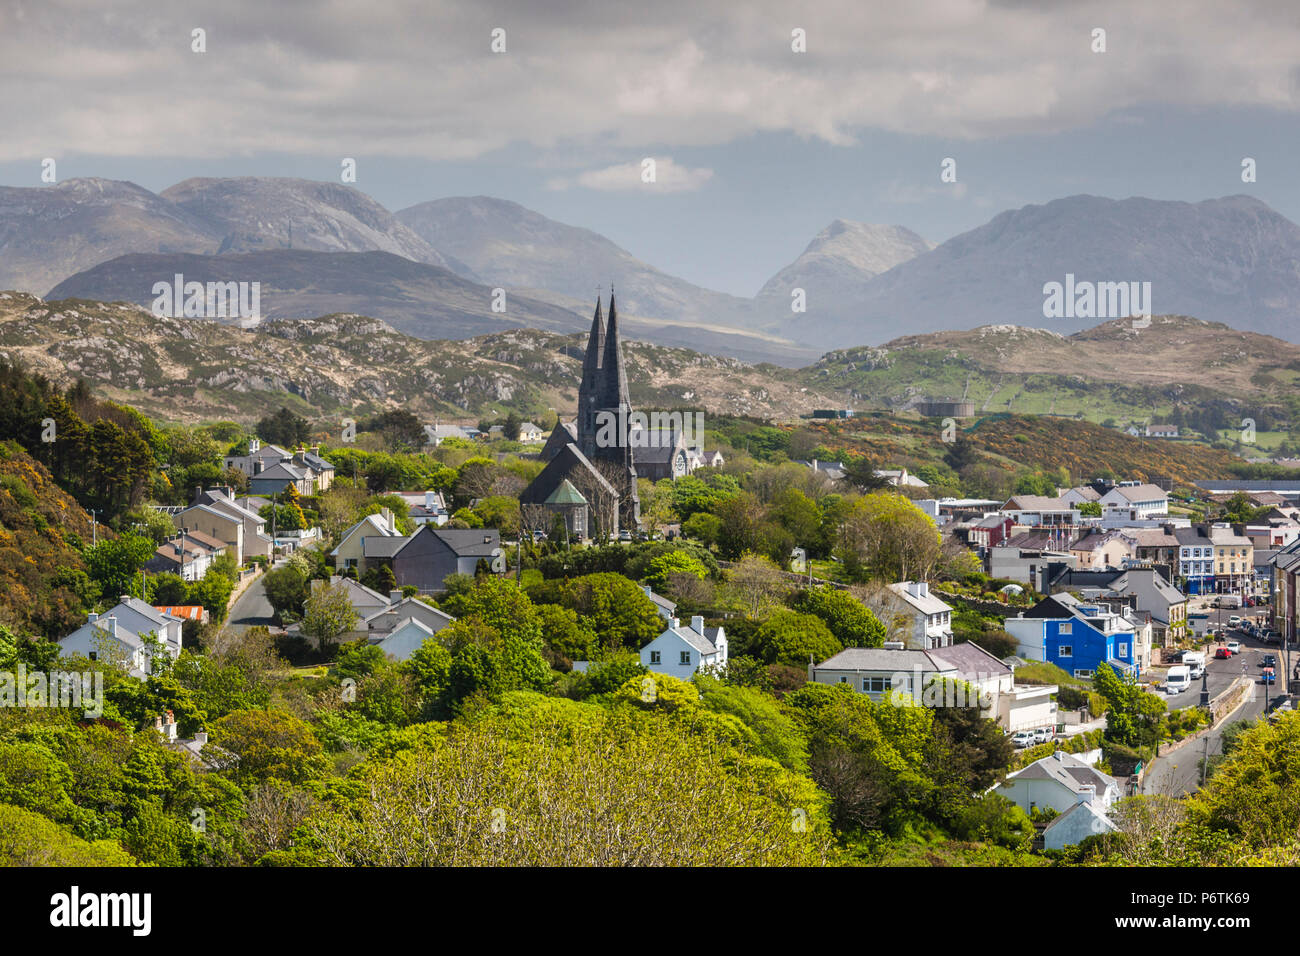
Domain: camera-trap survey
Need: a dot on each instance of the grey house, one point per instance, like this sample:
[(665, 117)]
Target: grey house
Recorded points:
[(432, 553)]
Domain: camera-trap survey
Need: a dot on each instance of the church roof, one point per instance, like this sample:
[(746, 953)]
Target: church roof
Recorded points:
[(565, 494)]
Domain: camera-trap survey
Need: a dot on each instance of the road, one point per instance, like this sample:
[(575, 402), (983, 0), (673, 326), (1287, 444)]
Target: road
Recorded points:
[(1180, 772), (252, 608)]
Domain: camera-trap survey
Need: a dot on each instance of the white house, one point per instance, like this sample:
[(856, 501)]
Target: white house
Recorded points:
[(931, 618), (681, 651), (384, 623), (1136, 500), (1059, 781), (117, 636), (666, 608), (404, 639), (1075, 825), (886, 673)]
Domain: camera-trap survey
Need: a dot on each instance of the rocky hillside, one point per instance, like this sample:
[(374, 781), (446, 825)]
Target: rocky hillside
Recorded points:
[(1109, 371), (195, 370)]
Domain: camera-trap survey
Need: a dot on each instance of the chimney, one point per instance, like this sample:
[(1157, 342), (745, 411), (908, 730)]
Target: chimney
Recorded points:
[(157, 724), (201, 737), (697, 624), (254, 444), (112, 625), (171, 725), (315, 450), (674, 623), (1087, 793), (198, 491), (388, 518), (92, 617), (394, 597), (430, 500)]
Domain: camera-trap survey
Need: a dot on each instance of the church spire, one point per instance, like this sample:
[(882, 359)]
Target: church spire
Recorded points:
[(614, 372)]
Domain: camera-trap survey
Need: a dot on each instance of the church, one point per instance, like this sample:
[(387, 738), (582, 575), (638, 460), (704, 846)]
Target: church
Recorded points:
[(593, 463)]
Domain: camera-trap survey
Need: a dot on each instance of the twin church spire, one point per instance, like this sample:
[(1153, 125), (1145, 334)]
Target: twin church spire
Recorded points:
[(604, 377)]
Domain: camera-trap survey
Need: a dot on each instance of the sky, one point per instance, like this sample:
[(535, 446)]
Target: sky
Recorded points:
[(757, 146)]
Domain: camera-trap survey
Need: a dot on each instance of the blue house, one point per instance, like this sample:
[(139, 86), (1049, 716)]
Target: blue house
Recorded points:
[(1078, 637)]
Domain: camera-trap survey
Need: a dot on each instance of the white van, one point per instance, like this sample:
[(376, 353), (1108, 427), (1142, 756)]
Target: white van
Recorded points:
[(1178, 679), (1195, 661)]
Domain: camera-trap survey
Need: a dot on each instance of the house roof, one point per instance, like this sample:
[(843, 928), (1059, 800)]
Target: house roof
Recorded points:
[(880, 659), (1145, 492), (969, 658), (467, 542), (280, 470), (1087, 493), (188, 612), (926, 605), (383, 546), (1081, 809), (1035, 503), (207, 540), (1067, 770)]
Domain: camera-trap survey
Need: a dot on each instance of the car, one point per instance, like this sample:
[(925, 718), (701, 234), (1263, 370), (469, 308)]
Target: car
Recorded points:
[(1235, 620), (1222, 653), (1021, 739), (625, 535), (1197, 671), (1234, 646), (1270, 660), (1268, 677), (1044, 735)]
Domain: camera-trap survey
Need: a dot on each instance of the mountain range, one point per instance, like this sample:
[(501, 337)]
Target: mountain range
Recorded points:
[(321, 247)]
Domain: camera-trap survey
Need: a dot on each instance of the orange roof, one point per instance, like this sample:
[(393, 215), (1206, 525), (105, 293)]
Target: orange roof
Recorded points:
[(193, 612)]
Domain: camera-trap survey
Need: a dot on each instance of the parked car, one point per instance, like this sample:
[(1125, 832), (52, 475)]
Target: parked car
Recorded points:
[(1222, 653), (625, 535), (1234, 621), (1022, 739), (1044, 735), (1234, 646), (1270, 660)]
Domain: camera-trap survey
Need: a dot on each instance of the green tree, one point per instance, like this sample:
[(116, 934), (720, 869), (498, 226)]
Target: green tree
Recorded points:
[(788, 637), (852, 623), (328, 613), (269, 745)]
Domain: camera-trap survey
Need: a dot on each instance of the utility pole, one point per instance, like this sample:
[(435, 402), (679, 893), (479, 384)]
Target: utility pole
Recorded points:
[(94, 527), (1205, 763)]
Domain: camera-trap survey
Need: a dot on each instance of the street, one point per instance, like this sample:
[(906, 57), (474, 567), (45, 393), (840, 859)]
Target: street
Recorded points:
[(1180, 772), (252, 608)]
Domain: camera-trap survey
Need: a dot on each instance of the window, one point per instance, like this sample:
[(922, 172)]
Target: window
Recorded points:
[(1066, 651), (655, 657), (1083, 672), (94, 655), (843, 679), (685, 658), (1066, 627), (876, 685), (1123, 650)]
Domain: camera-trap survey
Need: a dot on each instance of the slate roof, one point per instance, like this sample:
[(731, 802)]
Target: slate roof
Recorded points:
[(383, 546), (1067, 770), (879, 659)]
